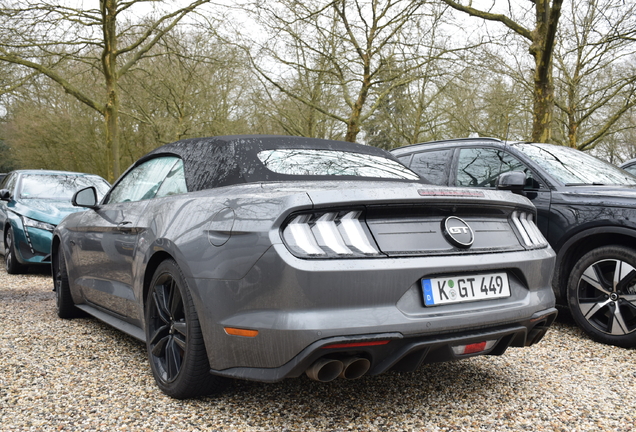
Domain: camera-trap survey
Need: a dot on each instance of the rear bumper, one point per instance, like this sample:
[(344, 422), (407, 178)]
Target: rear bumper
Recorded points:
[(403, 354), (298, 306)]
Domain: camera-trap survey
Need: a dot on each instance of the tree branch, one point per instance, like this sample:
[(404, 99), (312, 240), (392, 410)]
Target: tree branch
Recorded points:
[(68, 87), (512, 25)]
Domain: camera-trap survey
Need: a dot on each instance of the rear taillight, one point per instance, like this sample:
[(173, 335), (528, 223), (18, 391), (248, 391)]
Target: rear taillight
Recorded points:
[(530, 234), (329, 235)]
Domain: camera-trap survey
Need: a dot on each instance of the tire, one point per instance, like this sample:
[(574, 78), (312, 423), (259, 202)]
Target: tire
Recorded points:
[(603, 305), (63, 300), (12, 264), (176, 350)]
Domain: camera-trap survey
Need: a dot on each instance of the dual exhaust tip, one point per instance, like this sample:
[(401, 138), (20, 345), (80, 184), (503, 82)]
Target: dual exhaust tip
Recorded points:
[(326, 369)]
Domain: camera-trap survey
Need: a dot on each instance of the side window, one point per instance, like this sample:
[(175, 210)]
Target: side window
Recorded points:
[(9, 183), (433, 166), (479, 167), (631, 169), (174, 183), (144, 181)]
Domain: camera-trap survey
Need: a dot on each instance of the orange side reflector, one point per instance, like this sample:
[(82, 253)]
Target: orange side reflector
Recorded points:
[(240, 332)]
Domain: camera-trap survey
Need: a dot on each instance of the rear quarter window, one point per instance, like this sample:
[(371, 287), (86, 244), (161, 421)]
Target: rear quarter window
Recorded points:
[(433, 166)]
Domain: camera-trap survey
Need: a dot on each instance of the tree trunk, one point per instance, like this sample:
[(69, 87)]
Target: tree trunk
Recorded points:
[(547, 18), (353, 124), (543, 109), (542, 39), (109, 57)]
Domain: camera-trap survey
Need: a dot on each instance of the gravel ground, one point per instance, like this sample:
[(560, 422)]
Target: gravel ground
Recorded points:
[(82, 375)]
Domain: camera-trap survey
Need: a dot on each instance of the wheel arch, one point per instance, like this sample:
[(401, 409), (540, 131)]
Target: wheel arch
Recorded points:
[(580, 244), (8, 224), (13, 221), (149, 272), (55, 243), (5, 229)]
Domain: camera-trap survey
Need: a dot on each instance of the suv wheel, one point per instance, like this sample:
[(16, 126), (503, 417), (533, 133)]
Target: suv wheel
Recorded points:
[(602, 295)]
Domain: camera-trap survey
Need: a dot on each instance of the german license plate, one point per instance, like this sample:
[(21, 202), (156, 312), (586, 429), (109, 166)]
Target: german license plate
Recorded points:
[(445, 290)]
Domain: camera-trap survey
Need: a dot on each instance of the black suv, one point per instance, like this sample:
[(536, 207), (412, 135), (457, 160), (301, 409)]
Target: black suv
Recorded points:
[(586, 209)]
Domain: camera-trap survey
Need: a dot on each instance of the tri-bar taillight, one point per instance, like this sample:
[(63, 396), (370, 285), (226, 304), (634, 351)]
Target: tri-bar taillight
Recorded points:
[(532, 237), (329, 235)]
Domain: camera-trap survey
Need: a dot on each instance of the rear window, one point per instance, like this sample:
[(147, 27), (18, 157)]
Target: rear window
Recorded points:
[(309, 162)]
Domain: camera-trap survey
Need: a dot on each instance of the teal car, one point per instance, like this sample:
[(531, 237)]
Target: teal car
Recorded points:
[(32, 203)]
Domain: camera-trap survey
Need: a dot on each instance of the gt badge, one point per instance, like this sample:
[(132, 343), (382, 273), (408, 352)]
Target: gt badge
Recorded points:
[(457, 232)]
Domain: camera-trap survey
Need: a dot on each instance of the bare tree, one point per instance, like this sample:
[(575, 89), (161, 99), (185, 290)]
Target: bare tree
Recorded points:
[(289, 113), (596, 80), (49, 129), (319, 49), (46, 37), (413, 112), (196, 86), (542, 38)]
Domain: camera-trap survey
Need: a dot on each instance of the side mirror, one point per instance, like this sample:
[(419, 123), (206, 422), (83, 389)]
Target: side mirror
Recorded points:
[(86, 197), (5, 195), (513, 181)]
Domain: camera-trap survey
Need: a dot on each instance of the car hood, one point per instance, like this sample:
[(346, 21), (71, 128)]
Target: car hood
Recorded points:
[(611, 196), (49, 211)]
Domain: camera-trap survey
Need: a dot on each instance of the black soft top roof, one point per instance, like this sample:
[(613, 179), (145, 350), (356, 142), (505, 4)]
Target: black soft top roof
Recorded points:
[(226, 160)]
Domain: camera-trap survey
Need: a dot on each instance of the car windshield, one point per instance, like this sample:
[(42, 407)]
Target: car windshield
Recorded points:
[(573, 167), (309, 162), (59, 187)]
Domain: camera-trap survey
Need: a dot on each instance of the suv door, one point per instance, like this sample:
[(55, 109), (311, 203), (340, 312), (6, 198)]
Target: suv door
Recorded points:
[(480, 167), (475, 166)]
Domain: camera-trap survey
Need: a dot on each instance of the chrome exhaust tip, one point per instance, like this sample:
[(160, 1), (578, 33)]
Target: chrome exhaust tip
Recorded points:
[(354, 367), (325, 370)]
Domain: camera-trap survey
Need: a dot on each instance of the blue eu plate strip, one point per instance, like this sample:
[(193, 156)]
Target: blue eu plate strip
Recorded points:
[(428, 292)]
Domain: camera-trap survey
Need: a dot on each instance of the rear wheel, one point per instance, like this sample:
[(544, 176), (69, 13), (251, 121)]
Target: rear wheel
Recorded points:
[(12, 264), (64, 301), (602, 295), (176, 350)]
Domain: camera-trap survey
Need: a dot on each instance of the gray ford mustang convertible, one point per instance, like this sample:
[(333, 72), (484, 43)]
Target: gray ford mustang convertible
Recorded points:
[(266, 257)]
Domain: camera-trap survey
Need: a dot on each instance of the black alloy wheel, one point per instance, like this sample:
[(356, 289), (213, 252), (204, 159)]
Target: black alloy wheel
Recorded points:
[(12, 264), (602, 295), (63, 300), (176, 350)]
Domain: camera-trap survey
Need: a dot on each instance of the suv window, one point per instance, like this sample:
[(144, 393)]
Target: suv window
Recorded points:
[(480, 167), (573, 167), (433, 166)]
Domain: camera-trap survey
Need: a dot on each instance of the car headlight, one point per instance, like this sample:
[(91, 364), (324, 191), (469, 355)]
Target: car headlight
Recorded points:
[(335, 234), (32, 223)]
